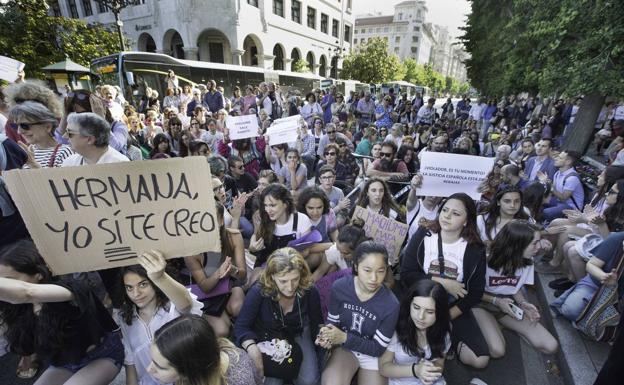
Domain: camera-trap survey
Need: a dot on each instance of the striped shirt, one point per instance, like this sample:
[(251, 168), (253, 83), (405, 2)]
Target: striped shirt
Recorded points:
[(43, 155)]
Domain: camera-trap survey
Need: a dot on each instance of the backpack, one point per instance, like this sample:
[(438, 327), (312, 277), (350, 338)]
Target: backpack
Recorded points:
[(276, 108), (587, 192)]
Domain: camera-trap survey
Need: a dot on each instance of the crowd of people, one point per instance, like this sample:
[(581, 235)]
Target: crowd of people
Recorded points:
[(299, 293)]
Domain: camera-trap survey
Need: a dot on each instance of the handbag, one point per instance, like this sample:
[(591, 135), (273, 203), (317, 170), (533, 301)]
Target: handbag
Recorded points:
[(600, 318), (281, 358)]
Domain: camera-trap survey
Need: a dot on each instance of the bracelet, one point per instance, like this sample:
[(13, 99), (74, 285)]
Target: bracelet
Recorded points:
[(414, 370), (248, 345), (493, 300)]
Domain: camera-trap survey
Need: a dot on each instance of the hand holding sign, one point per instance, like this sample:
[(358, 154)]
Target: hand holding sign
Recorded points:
[(242, 127), (283, 131)]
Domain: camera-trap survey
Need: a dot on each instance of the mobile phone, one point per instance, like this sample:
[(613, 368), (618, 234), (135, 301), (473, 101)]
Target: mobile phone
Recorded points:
[(517, 312)]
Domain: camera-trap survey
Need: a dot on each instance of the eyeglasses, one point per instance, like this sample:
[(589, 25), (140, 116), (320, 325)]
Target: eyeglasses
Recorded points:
[(331, 132), (611, 192), (329, 177), (176, 125), (79, 96), (342, 145), (330, 154), (317, 122), (386, 154), (27, 126)]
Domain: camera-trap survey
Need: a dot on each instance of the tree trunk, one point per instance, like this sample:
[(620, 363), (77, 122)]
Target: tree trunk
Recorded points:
[(582, 133)]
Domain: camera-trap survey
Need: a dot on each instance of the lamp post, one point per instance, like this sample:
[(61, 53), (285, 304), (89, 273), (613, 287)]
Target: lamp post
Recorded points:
[(115, 6)]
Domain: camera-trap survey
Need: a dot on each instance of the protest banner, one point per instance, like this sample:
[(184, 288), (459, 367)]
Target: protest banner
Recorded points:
[(445, 174), (242, 127), (288, 118), (101, 216), (383, 230), (283, 132), (10, 68)]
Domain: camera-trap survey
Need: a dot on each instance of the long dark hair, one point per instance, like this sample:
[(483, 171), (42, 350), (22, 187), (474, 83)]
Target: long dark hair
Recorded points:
[(387, 202), (436, 333), (506, 254), (127, 306), (493, 209), (158, 139), (533, 197), (352, 235), (192, 348), (470, 232), (227, 248), (267, 226), (614, 215), (612, 174), (24, 330)]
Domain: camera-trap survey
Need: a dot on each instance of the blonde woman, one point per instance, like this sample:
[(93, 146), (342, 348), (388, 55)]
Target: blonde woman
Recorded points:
[(283, 304)]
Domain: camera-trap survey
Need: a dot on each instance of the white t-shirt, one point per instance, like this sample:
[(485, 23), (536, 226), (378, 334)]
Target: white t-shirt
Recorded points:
[(419, 211), (391, 214), (333, 257), (453, 258), (303, 226), (497, 283), (401, 357), (483, 231), (110, 156)]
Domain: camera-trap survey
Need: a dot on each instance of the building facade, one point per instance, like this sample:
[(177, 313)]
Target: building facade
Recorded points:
[(271, 34)]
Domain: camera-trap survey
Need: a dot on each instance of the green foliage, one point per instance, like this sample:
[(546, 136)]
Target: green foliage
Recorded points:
[(301, 65), (567, 46), (372, 64), (29, 35)]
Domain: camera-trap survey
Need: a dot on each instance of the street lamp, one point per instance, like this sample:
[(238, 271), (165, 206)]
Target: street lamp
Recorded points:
[(115, 7)]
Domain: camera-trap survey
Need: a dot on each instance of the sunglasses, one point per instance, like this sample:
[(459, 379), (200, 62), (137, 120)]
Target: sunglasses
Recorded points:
[(331, 132), (79, 96), (386, 154), (330, 154), (27, 126)]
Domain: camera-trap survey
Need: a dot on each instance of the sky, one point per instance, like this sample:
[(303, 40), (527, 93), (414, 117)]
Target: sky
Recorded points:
[(451, 13)]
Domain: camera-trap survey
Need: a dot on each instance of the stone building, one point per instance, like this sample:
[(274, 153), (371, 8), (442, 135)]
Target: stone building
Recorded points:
[(271, 34)]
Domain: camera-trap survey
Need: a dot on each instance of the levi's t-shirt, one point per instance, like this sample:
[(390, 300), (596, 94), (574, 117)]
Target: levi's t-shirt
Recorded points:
[(453, 258), (497, 283)]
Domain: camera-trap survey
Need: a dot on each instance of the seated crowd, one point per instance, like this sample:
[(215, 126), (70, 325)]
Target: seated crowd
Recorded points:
[(297, 277)]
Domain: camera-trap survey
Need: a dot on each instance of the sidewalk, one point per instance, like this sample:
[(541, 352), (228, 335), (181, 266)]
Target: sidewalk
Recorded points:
[(580, 359)]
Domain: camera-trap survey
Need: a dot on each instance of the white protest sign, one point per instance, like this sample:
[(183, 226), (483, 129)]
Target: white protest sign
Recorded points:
[(445, 174), (287, 119), (383, 230), (9, 68), (101, 216), (242, 127), (283, 132)]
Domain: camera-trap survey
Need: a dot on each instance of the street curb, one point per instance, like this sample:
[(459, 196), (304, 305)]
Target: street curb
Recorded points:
[(578, 366)]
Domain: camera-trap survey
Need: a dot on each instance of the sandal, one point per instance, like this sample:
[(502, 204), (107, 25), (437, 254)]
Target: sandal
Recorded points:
[(27, 367)]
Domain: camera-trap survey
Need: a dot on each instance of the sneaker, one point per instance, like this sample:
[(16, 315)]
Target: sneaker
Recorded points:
[(558, 292), (547, 268), (560, 284)]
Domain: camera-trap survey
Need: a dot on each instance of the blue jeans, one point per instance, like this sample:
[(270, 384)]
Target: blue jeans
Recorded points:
[(554, 210), (309, 372), (572, 302), (246, 227)]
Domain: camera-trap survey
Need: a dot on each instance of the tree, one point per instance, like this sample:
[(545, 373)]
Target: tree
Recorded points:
[(301, 66), (30, 35), (414, 72), (569, 47), (372, 64)]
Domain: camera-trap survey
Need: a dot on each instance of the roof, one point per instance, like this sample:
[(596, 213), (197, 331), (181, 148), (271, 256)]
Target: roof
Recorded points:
[(375, 20), (412, 2), (66, 66)]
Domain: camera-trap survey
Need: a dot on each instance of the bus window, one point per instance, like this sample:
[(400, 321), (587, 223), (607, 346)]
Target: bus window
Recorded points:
[(107, 70)]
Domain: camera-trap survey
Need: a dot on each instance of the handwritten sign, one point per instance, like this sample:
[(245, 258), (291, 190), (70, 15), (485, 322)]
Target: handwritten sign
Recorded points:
[(283, 132), (445, 174), (383, 230), (242, 127), (10, 68), (101, 216)]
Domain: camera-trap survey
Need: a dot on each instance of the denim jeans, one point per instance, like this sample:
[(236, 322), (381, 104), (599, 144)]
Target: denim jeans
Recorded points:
[(309, 372), (572, 302), (554, 210)]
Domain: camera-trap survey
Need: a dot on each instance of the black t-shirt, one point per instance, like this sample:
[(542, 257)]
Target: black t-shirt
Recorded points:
[(246, 183)]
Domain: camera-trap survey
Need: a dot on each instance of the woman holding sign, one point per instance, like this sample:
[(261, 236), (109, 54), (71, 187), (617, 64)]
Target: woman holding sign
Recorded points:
[(152, 299), (60, 320), (450, 251), (375, 196)]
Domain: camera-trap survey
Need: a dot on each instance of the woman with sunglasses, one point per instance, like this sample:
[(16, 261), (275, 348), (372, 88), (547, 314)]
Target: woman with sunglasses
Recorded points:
[(331, 159), (37, 124), (282, 304)]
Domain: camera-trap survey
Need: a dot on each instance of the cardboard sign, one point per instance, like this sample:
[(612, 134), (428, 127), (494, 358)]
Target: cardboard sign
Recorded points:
[(242, 127), (383, 230), (9, 68), (101, 216), (445, 174), (288, 118), (283, 132)]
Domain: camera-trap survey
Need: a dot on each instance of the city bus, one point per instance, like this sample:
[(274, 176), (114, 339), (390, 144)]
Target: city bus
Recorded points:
[(133, 72)]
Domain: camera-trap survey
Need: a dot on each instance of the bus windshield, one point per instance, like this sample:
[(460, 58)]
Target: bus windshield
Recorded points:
[(107, 70)]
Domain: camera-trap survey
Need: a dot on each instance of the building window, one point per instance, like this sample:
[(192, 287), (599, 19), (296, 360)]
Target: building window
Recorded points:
[(295, 11), (397, 39), (335, 24), (414, 49), (311, 17), (73, 11), (56, 8), (386, 29), (86, 7), (102, 8), (400, 16), (253, 2), (378, 30), (396, 50), (414, 39), (278, 7), (324, 22), (419, 14), (416, 28), (370, 30), (347, 33)]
